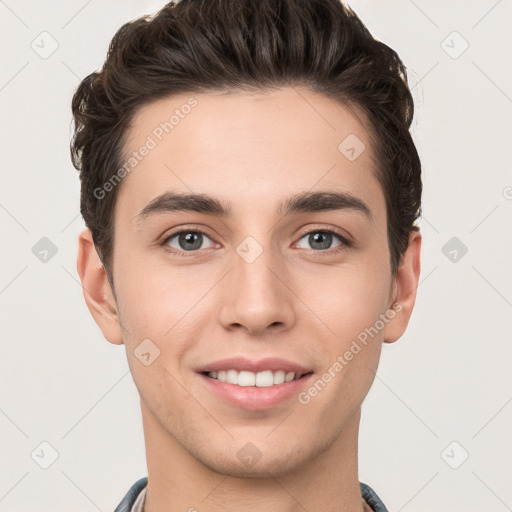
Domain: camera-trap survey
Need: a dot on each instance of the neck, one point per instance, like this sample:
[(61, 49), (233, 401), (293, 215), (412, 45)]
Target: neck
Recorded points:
[(179, 482)]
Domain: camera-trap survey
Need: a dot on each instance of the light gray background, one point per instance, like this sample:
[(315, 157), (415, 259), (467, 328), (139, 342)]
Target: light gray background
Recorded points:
[(447, 379)]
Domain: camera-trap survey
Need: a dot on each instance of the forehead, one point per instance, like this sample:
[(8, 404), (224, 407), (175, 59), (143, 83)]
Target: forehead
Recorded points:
[(249, 149)]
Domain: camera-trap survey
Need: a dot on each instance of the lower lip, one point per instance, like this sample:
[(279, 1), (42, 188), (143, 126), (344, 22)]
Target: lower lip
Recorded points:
[(254, 398)]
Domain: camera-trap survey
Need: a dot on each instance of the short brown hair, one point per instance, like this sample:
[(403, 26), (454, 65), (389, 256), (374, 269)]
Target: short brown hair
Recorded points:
[(207, 45)]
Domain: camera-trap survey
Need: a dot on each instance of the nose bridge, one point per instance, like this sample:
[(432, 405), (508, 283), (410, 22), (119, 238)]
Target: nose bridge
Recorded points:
[(257, 298)]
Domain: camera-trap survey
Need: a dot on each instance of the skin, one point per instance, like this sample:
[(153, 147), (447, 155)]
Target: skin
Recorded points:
[(294, 301)]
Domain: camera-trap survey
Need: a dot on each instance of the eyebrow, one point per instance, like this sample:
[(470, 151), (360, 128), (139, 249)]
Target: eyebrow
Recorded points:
[(304, 202)]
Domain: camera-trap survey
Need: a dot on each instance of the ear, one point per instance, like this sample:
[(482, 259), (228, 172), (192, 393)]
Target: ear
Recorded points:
[(96, 288), (404, 289)]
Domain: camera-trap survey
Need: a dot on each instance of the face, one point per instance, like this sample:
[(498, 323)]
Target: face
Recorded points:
[(222, 299)]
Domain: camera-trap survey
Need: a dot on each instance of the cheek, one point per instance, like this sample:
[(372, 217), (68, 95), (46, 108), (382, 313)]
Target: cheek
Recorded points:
[(347, 299), (163, 304)]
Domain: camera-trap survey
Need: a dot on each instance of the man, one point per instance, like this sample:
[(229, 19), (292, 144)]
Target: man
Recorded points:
[(250, 188)]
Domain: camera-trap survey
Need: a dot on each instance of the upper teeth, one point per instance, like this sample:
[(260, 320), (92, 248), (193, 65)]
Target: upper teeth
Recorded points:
[(260, 379)]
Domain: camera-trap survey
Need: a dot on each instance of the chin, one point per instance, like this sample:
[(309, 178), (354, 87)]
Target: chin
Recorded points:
[(234, 468), (251, 462)]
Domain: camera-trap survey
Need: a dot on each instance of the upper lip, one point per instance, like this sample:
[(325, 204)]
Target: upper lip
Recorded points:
[(244, 364)]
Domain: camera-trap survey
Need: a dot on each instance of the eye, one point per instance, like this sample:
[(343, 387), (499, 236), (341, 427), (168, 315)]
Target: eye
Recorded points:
[(187, 241), (322, 239)]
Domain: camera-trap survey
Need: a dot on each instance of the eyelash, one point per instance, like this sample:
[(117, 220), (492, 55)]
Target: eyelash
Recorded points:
[(346, 244)]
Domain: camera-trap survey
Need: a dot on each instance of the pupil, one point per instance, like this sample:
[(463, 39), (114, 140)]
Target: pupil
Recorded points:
[(188, 238), (318, 237)]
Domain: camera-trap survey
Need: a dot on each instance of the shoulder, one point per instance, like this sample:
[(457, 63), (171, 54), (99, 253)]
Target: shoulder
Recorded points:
[(132, 494), (370, 496)]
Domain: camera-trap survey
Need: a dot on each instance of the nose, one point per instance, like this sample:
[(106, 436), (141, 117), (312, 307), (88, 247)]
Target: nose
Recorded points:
[(257, 296)]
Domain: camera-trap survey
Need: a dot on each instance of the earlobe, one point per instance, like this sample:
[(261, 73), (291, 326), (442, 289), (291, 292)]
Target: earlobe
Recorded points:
[(406, 285), (96, 288)]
